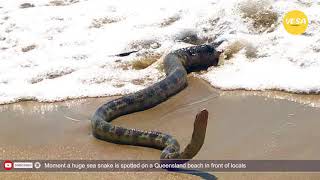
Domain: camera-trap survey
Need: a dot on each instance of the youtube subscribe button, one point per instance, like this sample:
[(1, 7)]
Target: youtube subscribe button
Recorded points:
[(8, 165)]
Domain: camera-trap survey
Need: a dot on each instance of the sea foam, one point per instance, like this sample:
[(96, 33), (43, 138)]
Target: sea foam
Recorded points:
[(61, 49)]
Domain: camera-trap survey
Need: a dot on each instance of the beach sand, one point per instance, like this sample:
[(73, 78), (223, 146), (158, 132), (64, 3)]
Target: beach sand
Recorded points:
[(242, 126)]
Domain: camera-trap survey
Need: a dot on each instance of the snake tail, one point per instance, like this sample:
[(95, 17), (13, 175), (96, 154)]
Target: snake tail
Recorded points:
[(177, 65)]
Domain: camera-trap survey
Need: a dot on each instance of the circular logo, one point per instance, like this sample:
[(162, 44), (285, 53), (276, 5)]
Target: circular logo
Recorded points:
[(7, 165), (37, 165), (295, 22)]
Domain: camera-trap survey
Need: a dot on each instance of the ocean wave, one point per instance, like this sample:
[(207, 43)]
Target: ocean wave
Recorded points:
[(63, 49)]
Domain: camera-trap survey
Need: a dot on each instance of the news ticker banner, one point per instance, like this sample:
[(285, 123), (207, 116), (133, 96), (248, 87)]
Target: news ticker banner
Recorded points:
[(159, 166)]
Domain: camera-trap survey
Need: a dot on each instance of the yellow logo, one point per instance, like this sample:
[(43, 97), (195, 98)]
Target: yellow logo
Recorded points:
[(295, 22)]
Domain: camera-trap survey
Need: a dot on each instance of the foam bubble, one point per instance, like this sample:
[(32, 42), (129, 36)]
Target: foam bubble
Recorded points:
[(52, 51)]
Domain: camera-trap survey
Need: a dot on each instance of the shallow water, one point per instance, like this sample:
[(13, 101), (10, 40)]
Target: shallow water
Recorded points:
[(242, 125), (56, 51)]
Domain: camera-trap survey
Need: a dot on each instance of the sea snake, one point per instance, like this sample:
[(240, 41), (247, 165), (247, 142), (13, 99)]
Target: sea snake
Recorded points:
[(177, 65)]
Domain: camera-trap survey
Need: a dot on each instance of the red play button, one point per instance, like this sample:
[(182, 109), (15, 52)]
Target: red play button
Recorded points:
[(7, 164)]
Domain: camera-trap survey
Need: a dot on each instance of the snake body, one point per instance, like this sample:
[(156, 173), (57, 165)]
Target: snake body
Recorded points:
[(176, 64)]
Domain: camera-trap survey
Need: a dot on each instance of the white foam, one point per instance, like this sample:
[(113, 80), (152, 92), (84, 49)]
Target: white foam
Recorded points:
[(71, 59)]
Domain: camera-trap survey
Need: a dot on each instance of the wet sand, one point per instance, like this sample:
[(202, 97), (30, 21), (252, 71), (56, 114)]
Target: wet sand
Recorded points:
[(242, 125)]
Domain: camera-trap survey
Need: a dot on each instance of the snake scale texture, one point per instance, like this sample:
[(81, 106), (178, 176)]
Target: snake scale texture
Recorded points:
[(177, 65)]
